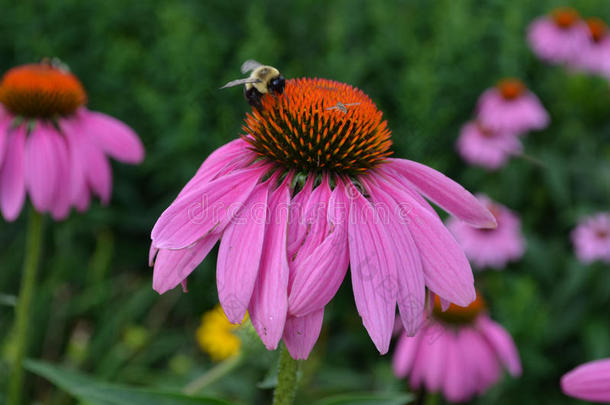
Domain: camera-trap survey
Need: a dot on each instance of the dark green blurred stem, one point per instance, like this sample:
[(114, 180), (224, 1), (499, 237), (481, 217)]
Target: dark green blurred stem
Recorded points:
[(24, 302), (431, 398), (287, 379), (215, 374)]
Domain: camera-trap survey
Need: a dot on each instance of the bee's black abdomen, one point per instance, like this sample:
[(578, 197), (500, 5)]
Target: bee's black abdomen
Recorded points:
[(254, 97)]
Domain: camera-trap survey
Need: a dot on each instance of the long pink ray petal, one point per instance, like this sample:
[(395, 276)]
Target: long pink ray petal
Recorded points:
[(445, 192), (297, 226), (446, 269), (41, 167), (12, 175), (315, 218), (434, 372), (172, 267), (269, 302), (205, 210), (233, 155), (79, 190), (404, 355), (502, 343), (301, 334), (239, 255), (113, 136), (317, 276), (372, 265), (409, 273), (485, 368), (61, 206), (457, 386), (5, 124), (589, 381)]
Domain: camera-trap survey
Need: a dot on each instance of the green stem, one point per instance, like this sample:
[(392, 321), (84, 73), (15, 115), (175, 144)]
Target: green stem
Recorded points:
[(287, 379), (215, 374), (24, 302), (431, 398)]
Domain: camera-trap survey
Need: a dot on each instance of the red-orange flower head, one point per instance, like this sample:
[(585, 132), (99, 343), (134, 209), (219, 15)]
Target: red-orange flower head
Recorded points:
[(565, 17), (319, 125), (459, 315), (41, 91), (511, 88), (597, 28)]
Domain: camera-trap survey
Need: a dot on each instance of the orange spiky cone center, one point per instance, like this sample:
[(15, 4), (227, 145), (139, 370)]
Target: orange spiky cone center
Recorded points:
[(511, 88), (457, 315), (565, 17), (319, 125), (597, 29), (41, 91)]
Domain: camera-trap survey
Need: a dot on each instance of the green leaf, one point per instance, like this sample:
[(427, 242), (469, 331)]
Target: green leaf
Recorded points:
[(96, 392), (396, 398)]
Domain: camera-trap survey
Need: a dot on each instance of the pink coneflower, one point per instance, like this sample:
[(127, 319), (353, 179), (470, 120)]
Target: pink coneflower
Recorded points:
[(483, 147), (595, 57), (591, 238), (54, 148), (589, 381), (510, 107), (491, 247), (307, 191), (459, 352), (560, 37)]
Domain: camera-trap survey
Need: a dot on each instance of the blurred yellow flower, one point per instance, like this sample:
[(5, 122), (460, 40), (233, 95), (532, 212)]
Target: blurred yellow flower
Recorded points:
[(216, 335)]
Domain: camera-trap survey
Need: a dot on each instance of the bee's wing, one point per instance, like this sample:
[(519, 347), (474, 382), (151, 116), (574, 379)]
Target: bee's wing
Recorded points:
[(237, 82), (249, 65)]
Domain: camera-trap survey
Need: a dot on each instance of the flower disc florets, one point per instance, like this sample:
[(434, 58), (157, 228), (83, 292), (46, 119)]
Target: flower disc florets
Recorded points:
[(41, 91), (319, 125)]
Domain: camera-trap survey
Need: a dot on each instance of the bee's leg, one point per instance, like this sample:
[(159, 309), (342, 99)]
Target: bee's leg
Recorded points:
[(254, 98)]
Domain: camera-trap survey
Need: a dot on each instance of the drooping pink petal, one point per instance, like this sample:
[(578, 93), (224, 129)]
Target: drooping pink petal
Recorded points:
[(12, 176), (409, 273), (113, 136), (315, 220), (446, 269), (239, 255), (458, 384), (61, 205), (297, 225), (301, 333), (446, 193), (404, 355), (204, 210), (373, 268), (5, 124), (590, 381), (269, 302), (317, 275), (484, 367), (502, 343), (172, 267), (434, 372), (234, 155), (41, 167), (97, 171), (79, 190)]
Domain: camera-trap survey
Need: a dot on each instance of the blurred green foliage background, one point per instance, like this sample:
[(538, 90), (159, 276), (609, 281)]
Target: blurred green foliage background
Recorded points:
[(157, 65)]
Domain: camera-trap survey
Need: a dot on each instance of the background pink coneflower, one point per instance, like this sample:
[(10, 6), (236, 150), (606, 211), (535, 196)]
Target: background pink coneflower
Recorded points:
[(491, 247), (591, 238), (589, 381), (459, 352), (307, 191), (52, 147), (595, 57), (510, 107), (559, 37), (483, 147)]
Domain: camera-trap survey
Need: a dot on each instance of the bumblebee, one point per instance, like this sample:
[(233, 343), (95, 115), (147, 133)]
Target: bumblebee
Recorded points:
[(263, 79)]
